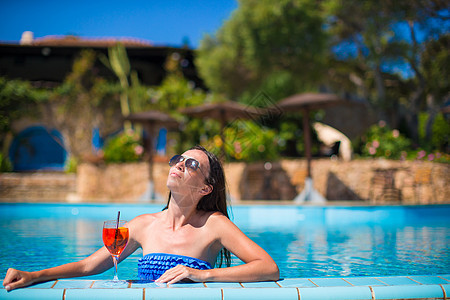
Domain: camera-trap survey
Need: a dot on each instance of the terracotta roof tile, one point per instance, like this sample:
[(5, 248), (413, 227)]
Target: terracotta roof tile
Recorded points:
[(70, 40)]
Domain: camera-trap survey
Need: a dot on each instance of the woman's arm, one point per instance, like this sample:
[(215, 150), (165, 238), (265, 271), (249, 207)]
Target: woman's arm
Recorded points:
[(96, 263), (259, 266)]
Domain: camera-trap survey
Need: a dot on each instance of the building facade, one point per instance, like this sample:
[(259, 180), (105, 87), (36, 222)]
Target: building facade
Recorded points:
[(38, 144)]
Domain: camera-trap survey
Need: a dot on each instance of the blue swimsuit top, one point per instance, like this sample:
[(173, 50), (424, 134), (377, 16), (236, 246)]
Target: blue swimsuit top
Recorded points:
[(153, 265)]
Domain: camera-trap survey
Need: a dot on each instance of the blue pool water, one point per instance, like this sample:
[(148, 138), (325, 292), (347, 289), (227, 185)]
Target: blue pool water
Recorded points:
[(304, 241)]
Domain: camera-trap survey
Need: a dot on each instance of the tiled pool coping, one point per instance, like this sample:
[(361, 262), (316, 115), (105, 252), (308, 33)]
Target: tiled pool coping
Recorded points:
[(383, 287)]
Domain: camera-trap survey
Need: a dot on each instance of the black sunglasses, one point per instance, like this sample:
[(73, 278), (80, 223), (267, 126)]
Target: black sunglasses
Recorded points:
[(190, 163)]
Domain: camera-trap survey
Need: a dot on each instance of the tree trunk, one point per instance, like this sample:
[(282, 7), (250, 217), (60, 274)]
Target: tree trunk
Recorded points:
[(418, 94), (432, 115)]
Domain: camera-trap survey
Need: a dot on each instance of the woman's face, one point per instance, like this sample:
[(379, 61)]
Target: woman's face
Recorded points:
[(182, 177)]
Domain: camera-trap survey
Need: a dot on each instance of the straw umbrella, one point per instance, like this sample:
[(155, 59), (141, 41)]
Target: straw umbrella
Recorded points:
[(223, 112), (305, 103), (151, 121)]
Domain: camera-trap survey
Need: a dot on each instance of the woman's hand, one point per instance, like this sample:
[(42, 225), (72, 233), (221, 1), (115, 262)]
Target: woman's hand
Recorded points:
[(181, 272), (15, 279)]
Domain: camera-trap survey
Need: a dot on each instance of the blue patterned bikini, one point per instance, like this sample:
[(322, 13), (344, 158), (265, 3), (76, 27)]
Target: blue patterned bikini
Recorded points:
[(153, 265)]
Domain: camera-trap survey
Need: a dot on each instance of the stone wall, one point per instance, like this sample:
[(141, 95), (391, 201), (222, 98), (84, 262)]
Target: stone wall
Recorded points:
[(265, 181), (374, 181), (112, 182), (121, 182), (379, 180), (37, 187)]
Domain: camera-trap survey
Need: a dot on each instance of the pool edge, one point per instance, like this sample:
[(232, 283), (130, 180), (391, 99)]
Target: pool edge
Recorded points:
[(361, 287)]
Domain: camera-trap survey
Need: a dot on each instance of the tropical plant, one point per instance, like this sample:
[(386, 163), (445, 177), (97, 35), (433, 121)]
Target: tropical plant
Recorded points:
[(246, 141), (381, 141), (118, 62), (124, 147)]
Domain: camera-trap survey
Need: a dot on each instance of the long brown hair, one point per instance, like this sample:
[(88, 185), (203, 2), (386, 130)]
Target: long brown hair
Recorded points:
[(217, 199)]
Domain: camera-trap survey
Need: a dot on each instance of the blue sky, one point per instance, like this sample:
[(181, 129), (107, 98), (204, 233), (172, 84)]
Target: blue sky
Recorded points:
[(161, 22)]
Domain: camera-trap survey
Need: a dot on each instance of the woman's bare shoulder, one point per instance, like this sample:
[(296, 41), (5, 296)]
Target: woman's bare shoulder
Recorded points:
[(217, 214), (141, 225), (145, 219), (219, 219)]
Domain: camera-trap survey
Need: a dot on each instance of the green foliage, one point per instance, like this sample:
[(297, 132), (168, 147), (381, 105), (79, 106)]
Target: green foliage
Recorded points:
[(83, 101), (436, 65), (72, 164), (246, 141), (440, 137), (124, 147), (433, 156), (17, 99), (381, 141), (276, 86), (81, 87), (262, 38), (422, 119), (440, 133), (277, 47), (5, 164), (118, 62), (118, 59), (176, 92), (390, 53), (291, 136), (139, 95)]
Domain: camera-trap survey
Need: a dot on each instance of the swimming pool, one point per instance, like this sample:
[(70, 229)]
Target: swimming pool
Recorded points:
[(305, 241)]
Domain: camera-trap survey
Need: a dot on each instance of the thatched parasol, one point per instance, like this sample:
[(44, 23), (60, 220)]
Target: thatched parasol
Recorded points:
[(307, 102), (153, 117)]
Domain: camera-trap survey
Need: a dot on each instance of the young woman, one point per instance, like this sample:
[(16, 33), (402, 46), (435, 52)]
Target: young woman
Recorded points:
[(182, 242)]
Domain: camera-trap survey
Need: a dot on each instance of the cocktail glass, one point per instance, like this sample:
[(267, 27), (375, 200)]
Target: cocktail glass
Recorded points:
[(115, 238)]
